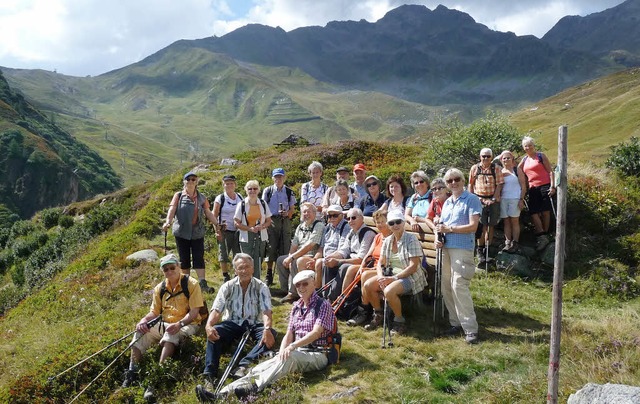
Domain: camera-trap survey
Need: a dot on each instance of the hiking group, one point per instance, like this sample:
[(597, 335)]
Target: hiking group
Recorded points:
[(334, 264)]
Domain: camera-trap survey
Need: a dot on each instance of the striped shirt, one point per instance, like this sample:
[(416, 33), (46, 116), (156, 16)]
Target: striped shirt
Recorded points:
[(305, 235), (238, 308)]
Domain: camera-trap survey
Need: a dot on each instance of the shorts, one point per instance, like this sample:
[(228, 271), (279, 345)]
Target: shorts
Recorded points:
[(509, 208), (188, 249), (229, 244), (539, 199), (154, 336), (490, 214)]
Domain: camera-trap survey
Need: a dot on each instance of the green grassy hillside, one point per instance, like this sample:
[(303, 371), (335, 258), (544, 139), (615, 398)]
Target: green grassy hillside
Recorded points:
[(599, 114), (149, 118), (99, 296)]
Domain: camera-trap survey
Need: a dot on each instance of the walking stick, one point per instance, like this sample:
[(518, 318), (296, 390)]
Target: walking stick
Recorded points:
[(149, 324), (437, 288), (340, 300), (165, 242), (234, 358)]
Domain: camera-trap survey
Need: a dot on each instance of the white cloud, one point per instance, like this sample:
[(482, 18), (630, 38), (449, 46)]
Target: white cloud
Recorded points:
[(82, 37)]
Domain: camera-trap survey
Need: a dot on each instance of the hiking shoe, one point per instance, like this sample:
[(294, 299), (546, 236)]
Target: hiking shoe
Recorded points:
[(289, 298), (243, 391), (206, 396), (226, 277), (240, 372), (149, 395), (398, 328), (206, 288), (471, 338), (375, 322), (507, 246), (209, 382), (513, 248), (359, 319), (269, 279), (130, 377), (453, 331), (541, 242)]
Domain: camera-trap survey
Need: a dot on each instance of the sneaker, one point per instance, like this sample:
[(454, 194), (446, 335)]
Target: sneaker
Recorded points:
[(130, 377), (226, 277), (206, 288), (453, 331), (206, 396), (375, 321), (398, 328), (507, 246), (269, 278), (149, 395), (240, 372), (243, 391), (289, 298), (471, 338), (541, 242), (359, 319)]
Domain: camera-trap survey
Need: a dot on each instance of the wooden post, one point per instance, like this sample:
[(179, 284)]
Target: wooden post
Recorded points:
[(558, 272)]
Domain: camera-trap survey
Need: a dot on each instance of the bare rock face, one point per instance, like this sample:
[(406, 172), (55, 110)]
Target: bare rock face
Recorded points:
[(608, 393)]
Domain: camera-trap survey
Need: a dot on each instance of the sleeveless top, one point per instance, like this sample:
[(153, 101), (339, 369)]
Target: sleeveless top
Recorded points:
[(536, 173), (511, 188), (183, 226)]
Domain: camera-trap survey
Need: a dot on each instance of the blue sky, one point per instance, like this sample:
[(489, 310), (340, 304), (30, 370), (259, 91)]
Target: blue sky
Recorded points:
[(90, 37)]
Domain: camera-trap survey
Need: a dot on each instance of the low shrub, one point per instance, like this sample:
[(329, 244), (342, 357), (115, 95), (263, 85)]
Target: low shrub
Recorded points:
[(10, 295), (22, 228), (65, 221), (625, 157), (6, 260), (50, 217)]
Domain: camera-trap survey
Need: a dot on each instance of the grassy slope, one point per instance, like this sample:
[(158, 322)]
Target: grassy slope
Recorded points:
[(599, 114), (100, 297)]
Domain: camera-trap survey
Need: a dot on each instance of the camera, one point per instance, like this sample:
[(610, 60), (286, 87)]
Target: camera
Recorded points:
[(223, 226), (442, 238), (387, 271)]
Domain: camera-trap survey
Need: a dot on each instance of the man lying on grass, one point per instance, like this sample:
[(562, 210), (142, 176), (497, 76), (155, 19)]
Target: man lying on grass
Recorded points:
[(302, 348)]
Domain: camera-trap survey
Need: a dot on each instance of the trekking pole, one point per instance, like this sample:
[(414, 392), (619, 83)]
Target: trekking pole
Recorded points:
[(386, 305), (384, 323), (234, 358), (340, 300), (436, 287), (165, 243), (149, 324)]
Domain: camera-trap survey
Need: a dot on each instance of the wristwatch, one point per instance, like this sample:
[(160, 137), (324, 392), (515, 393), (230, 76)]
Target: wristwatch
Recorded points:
[(181, 323)]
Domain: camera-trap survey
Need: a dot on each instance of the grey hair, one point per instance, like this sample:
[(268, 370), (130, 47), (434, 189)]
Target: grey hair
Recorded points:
[(315, 164), (486, 150), (527, 140), (242, 257), (355, 211), (251, 184), (419, 174), (453, 172), (438, 181)]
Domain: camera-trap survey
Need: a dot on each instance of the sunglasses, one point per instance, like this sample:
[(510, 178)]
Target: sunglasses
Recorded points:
[(418, 182), (302, 284), (252, 189), (506, 158), (452, 180), (351, 218), (369, 185), (486, 157), (333, 215), (436, 188), (169, 268), (192, 179), (394, 222)]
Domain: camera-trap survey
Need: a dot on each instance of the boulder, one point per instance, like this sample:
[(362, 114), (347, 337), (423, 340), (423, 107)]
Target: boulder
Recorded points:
[(514, 263), (608, 393), (547, 256), (229, 162), (143, 256)]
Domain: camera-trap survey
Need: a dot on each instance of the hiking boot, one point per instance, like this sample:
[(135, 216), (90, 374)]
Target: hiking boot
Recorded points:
[(514, 247), (375, 322), (289, 298), (454, 331), (359, 319), (149, 395), (243, 391), (206, 288), (206, 396), (130, 377), (482, 257), (225, 277), (471, 338), (541, 242), (398, 328), (507, 246), (240, 372), (209, 382), (269, 279)]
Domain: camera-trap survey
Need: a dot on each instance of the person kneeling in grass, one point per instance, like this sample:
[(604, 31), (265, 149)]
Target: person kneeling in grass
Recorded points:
[(302, 349)]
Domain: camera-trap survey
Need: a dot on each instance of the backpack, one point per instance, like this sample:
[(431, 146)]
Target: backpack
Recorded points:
[(244, 211), (479, 170), (184, 285), (334, 339), (269, 193), (362, 232), (539, 154), (222, 200)]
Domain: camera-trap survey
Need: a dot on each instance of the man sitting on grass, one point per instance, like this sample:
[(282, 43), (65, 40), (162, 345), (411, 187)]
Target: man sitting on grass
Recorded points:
[(180, 318), (301, 350)]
